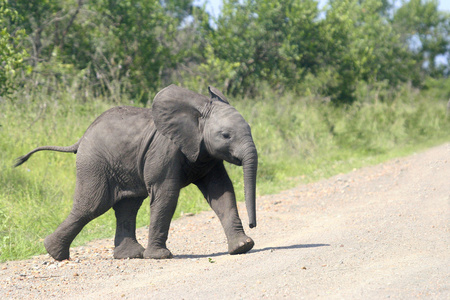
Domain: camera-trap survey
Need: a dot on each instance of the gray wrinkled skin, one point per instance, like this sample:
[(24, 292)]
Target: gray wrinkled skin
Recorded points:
[(129, 153)]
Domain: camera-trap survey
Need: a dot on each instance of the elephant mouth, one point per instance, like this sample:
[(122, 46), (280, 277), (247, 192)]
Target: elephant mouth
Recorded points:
[(235, 161)]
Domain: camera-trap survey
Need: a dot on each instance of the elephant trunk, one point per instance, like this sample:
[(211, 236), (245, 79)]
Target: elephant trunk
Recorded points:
[(250, 166)]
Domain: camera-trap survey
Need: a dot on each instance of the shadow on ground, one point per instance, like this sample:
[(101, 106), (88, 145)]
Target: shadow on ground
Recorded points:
[(298, 246)]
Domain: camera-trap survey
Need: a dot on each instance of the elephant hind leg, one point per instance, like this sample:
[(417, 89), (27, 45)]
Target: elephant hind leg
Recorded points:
[(87, 206), (125, 242), (57, 244)]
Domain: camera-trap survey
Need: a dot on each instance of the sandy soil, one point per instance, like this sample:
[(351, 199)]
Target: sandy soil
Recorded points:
[(378, 232)]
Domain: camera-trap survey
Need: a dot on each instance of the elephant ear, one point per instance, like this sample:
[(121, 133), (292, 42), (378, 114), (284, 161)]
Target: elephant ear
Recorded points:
[(176, 112), (217, 95)]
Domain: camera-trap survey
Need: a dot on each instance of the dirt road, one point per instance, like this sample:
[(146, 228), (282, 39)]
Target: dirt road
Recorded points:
[(375, 233)]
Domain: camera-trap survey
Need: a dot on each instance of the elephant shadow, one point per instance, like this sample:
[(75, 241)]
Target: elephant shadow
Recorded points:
[(297, 246)]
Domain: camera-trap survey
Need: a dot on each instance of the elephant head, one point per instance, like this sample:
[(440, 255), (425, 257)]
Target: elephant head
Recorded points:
[(190, 119)]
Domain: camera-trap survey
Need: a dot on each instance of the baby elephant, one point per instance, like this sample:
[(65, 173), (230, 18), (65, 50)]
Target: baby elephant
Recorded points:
[(130, 153)]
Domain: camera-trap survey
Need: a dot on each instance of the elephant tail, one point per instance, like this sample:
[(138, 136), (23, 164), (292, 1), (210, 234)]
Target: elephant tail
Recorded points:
[(22, 159)]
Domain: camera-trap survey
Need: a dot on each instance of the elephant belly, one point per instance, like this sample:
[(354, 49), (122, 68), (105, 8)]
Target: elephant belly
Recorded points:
[(126, 183)]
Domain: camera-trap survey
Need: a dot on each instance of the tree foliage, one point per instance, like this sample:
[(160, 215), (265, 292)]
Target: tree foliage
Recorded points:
[(361, 46), (427, 31), (12, 53), (272, 41), (134, 47)]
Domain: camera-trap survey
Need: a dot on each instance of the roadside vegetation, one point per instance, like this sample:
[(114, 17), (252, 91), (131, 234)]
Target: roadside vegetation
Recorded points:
[(324, 92)]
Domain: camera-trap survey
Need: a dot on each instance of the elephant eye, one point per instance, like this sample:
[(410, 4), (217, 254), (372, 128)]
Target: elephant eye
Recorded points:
[(226, 135)]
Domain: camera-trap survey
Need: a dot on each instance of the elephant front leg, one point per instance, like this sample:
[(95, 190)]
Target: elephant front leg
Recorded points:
[(163, 203), (238, 241), (218, 190)]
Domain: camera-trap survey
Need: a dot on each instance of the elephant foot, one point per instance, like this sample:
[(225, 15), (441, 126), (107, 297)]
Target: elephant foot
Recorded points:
[(56, 249), (157, 253), (129, 248), (240, 245)]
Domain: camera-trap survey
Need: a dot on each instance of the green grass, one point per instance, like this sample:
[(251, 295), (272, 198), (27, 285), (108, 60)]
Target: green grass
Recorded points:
[(298, 139)]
